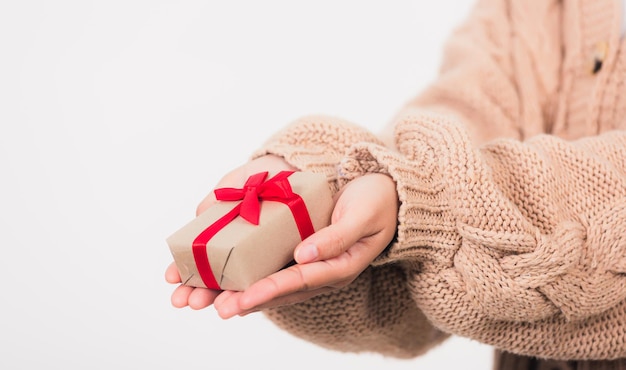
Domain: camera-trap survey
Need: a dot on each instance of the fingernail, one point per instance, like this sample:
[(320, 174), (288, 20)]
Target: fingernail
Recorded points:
[(306, 253)]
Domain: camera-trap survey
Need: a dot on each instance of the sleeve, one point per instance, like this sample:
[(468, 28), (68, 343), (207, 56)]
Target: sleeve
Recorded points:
[(317, 143), (518, 244), (506, 236), (375, 313)]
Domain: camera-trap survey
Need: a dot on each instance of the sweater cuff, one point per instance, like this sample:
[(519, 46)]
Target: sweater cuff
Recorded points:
[(427, 231), (317, 144)]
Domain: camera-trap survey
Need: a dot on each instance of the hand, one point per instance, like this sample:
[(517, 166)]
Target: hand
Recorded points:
[(363, 223), (198, 298)]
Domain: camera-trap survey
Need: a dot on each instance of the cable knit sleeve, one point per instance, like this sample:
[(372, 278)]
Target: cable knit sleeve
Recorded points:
[(375, 313), (316, 143), (506, 235), (520, 244), (517, 236)]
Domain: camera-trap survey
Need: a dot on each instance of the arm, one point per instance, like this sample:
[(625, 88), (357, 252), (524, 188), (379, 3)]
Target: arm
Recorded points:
[(513, 237), (477, 246), (512, 231), (477, 86), (502, 230), (336, 293)]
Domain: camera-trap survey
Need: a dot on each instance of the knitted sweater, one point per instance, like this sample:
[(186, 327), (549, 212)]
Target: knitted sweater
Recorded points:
[(511, 174)]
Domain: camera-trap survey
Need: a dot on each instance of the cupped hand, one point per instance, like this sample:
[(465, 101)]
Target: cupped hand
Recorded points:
[(363, 224)]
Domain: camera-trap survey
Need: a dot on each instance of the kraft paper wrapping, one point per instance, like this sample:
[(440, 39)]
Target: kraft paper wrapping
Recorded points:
[(242, 253)]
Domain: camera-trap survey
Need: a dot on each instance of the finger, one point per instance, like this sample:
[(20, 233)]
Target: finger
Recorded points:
[(223, 297), (298, 278), (227, 304), (233, 308), (201, 298), (288, 300), (233, 178), (330, 241), (356, 215), (207, 202), (172, 275), (180, 296)]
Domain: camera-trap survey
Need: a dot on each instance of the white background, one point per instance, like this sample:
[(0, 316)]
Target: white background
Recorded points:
[(118, 117)]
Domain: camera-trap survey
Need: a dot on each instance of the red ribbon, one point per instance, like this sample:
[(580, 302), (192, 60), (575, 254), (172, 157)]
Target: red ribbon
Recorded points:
[(255, 190)]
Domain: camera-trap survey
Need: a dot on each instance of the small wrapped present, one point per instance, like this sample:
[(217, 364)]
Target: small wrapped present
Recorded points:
[(251, 232)]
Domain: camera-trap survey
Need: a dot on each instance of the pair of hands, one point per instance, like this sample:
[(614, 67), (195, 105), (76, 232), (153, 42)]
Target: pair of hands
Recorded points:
[(363, 223)]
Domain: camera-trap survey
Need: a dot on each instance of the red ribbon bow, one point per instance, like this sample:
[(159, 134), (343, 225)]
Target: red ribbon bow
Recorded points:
[(255, 189), (253, 192)]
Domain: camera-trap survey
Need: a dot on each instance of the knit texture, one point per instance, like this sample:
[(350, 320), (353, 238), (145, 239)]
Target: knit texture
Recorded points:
[(509, 361), (511, 174)]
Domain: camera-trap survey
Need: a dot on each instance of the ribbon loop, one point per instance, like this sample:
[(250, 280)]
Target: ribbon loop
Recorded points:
[(255, 190)]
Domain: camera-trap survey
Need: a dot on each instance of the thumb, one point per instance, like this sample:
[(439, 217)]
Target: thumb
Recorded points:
[(357, 217), (328, 242)]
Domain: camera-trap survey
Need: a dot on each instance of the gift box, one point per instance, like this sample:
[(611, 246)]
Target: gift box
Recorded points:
[(251, 232)]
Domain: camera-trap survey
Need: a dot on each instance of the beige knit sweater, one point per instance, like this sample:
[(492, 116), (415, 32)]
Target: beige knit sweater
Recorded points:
[(511, 172)]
